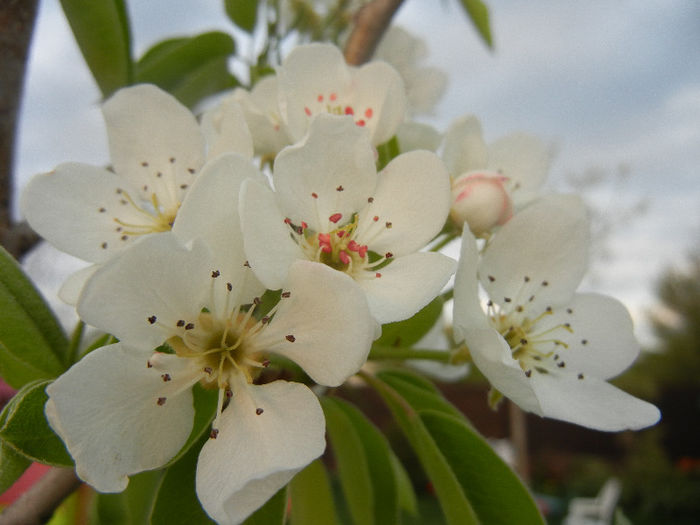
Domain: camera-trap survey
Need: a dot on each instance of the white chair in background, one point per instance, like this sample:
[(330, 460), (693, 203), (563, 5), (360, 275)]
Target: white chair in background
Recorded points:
[(598, 510)]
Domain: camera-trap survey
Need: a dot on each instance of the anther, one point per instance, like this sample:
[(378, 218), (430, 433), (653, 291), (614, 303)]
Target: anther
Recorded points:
[(215, 274), (580, 376), (388, 225), (191, 171), (507, 299), (370, 200), (569, 311), (189, 326), (124, 237), (159, 174), (161, 401), (335, 217), (148, 364), (104, 245), (265, 363), (388, 255), (545, 283), (152, 319), (228, 393), (246, 264), (375, 218), (258, 411), (102, 210), (561, 364), (526, 279), (265, 320), (214, 432), (340, 188), (523, 341), (290, 338), (344, 257), (229, 286), (491, 278), (166, 377), (172, 160), (528, 373), (584, 341), (377, 275), (208, 370), (144, 164), (183, 186), (314, 195), (286, 294), (256, 301)]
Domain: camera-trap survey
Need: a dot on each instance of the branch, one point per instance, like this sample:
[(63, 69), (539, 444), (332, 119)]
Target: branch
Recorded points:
[(37, 505), (371, 21), (16, 26)]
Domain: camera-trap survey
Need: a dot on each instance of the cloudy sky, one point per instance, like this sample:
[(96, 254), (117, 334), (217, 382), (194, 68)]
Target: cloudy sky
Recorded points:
[(612, 85)]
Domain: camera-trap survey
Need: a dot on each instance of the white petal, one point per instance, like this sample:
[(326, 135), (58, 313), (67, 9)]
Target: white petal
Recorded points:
[(379, 100), (263, 116), (73, 286), (416, 135), (542, 252), (75, 208), (425, 86), (467, 312), (227, 131), (328, 316), (465, 149), (593, 403), (148, 125), (411, 205), (156, 277), (254, 455), (335, 162), (106, 409), (307, 72), (601, 342), (407, 285), (522, 158), (266, 237)]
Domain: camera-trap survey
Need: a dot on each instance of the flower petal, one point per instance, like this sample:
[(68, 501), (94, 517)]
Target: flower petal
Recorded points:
[(410, 205), (210, 212), (541, 253), (153, 140), (601, 340), (467, 313), (258, 452), (416, 135), (331, 171), (117, 416), (269, 248), (592, 403), (406, 285), (328, 317), (73, 286), (226, 130), (76, 208), (523, 158), (465, 149), (140, 296)]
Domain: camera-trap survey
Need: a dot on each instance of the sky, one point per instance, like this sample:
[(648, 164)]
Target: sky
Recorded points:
[(612, 86)]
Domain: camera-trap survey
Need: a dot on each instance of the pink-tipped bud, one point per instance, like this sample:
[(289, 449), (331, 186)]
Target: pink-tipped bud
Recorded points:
[(480, 200)]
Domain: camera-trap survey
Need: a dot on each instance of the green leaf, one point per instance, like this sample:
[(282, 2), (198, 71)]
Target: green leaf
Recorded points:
[(24, 427), (454, 503), (12, 466), (176, 499), (190, 68), (243, 13), (478, 12), (353, 467), (32, 343), (273, 512), (381, 470), (204, 402), (409, 332), (495, 492), (101, 28), (420, 397), (131, 506), (407, 496), (312, 499)]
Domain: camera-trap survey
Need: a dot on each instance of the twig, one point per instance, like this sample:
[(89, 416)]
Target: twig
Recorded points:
[(371, 21), (16, 26), (38, 504)]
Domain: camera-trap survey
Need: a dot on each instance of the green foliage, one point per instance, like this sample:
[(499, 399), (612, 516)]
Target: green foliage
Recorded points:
[(408, 332), (190, 68), (12, 466), (131, 506), (32, 343), (478, 13), (101, 28), (243, 13), (25, 429), (273, 512), (312, 499)]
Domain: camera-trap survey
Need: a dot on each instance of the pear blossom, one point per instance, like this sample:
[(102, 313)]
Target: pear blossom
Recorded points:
[(157, 149), (491, 182), (126, 407), (404, 51), (315, 79), (548, 348), (331, 206)]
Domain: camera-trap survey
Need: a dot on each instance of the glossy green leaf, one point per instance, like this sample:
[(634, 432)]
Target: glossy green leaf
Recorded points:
[(353, 467), (273, 512), (24, 427), (312, 499), (407, 496), (478, 13), (495, 492), (408, 332), (204, 402), (381, 470), (190, 68), (12, 466), (176, 500), (417, 394), (101, 28), (453, 501), (243, 13), (32, 343), (131, 506)]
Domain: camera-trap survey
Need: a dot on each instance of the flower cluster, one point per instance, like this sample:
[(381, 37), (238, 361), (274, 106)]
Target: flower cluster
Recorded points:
[(214, 274)]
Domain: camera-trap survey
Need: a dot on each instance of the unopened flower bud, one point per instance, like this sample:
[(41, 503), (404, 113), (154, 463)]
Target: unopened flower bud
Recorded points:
[(480, 200)]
